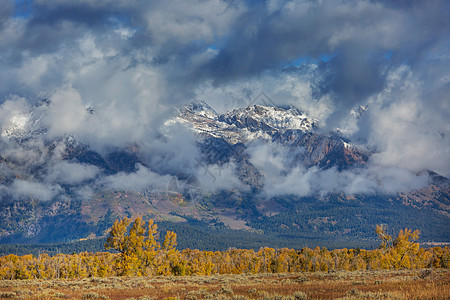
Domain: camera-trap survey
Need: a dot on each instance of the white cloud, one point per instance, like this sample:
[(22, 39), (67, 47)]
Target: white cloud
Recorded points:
[(71, 173), (408, 131), (141, 180), (66, 113), (283, 175), (187, 21), (213, 178), (37, 190)]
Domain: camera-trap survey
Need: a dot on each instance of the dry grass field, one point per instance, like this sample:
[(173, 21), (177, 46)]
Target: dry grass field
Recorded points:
[(399, 284)]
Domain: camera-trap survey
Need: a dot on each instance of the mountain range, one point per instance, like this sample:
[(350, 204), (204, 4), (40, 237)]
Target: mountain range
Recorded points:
[(262, 175)]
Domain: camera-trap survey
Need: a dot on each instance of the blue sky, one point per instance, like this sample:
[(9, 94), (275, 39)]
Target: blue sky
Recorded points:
[(22, 8)]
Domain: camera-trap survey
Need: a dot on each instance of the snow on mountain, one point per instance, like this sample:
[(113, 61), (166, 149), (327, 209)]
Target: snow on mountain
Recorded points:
[(256, 117), (16, 127), (244, 124), (201, 109), (23, 126), (357, 112), (289, 127)]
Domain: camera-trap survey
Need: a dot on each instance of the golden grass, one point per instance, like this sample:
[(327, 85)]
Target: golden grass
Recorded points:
[(399, 284)]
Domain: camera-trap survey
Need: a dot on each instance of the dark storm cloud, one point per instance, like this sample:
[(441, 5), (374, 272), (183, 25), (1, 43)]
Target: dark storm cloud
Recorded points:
[(55, 24), (270, 34), (6, 9), (365, 39)]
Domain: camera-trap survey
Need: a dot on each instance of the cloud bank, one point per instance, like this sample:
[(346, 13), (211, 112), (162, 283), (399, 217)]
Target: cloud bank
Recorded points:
[(113, 71)]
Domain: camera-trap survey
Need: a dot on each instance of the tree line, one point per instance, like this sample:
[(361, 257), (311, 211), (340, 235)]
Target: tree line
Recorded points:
[(137, 252)]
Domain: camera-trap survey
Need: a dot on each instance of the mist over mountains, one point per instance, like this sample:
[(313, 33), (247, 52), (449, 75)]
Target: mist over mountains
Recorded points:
[(279, 151), (229, 170)]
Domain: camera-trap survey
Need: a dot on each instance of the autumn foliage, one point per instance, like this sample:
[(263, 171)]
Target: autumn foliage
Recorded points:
[(138, 253)]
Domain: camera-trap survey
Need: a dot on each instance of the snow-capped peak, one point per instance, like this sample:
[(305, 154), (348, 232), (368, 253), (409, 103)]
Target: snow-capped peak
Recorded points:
[(275, 117), (200, 108), (357, 112), (16, 126), (243, 124), (25, 124)]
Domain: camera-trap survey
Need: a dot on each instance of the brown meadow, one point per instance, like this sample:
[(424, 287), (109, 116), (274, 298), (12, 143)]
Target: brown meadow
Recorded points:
[(379, 284)]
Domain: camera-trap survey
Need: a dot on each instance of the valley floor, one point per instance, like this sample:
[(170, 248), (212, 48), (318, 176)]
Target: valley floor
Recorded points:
[(398, 284)]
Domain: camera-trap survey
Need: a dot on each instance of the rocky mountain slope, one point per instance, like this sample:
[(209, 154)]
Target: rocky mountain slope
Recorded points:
[(286, 126)]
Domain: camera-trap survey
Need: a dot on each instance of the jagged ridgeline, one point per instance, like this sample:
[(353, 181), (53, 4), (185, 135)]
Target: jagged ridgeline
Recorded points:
[(47, 200)]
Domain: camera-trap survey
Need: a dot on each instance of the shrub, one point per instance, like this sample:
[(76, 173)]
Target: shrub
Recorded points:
[(7, 295), (226, 290), (300, 295), (91, 295)]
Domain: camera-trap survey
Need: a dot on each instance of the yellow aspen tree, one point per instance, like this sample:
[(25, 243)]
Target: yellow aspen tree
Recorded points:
[(405, 247), (446, 258), (386, 239), (266, 256), (137, 248), (282, 261), (167, 256)]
